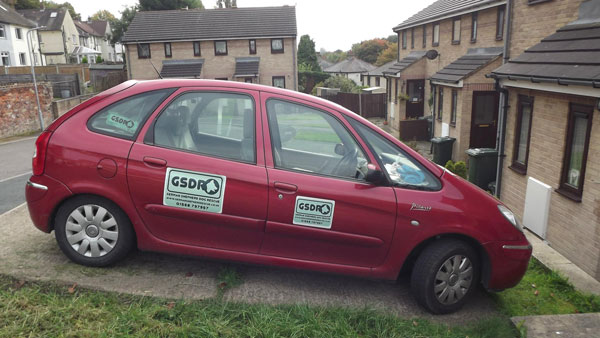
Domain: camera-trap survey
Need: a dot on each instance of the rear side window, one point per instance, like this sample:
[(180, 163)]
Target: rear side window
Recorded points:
[(124, 118)]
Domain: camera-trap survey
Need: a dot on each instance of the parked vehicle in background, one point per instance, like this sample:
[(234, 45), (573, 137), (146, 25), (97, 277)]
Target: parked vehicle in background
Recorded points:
[(264, 175)]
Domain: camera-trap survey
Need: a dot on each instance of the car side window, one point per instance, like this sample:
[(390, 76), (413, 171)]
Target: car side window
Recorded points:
[(402, 169), (310, 140), (124, 118), (216, 124)]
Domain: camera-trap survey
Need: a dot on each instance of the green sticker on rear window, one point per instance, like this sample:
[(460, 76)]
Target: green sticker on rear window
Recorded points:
[(121, 122), (314, 212), (194, 190)]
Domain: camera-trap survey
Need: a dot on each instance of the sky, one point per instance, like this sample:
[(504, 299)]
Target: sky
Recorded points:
[(332, 24)]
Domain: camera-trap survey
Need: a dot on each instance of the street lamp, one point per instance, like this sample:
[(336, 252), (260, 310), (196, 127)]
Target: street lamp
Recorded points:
[(37, 97)]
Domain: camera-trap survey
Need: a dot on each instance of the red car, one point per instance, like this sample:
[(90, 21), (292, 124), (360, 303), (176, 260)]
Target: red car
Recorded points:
[(257, 174)]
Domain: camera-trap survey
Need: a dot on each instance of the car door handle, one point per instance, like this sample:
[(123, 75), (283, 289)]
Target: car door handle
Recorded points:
[(285, 188), (155, 162)]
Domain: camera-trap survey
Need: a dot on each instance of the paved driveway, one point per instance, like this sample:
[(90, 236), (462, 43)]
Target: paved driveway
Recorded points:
[(29, 254)]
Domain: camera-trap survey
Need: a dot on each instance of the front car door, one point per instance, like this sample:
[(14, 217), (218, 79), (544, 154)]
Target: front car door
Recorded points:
[(320, 207), (197, 174)]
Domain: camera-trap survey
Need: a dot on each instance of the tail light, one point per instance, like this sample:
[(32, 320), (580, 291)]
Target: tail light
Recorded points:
[(39, 156)]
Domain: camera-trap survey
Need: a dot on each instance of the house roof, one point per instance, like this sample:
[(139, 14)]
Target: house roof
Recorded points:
[(379, 70), (10, 16), (445, 8), (87, 28), (323, 63), (99, 26), (569, 56), (247, 66), (475, 59), (46, 18), (212, 24), (398, 67), (190, 68), (350, 65)]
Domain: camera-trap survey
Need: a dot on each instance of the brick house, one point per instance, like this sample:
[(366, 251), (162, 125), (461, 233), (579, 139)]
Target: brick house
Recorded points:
[(255, 45), (551, 171), (467, 39)]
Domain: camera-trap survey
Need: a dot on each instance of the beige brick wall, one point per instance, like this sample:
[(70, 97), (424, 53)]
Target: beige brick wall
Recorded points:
[(573, 228), (532, 23), (219, 66)]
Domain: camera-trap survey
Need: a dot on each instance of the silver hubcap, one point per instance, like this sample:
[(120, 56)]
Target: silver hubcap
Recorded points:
[(92, 231), (453, 279)]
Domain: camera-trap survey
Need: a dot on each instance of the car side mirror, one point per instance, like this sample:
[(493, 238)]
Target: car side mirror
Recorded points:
[(373, 174)]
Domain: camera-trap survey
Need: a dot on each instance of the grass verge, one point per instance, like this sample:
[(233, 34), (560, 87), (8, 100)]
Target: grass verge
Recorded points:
[(544, 292), (42, 309)]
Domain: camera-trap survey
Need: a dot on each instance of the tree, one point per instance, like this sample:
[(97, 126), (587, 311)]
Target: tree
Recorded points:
[(307, 53), (226, 4), (389, 54), (161, 5), (343, 83), (335, 57), (105, 15), (369, 50), (120, 26), (392, 38), (25, 4)]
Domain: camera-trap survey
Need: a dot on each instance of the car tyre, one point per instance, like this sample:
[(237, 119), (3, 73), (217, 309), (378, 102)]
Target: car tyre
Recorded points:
[(445, 275), (93, 231)]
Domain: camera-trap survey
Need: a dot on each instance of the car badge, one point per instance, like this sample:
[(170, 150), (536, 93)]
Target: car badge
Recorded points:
[(419, 207)]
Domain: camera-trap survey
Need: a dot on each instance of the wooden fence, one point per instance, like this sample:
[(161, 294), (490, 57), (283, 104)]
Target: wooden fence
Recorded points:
[(371, 105)]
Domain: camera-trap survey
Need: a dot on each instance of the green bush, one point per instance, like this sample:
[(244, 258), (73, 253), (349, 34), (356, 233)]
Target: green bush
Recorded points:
[(450, 165), (459, 168), (99, 59), (84, 59)]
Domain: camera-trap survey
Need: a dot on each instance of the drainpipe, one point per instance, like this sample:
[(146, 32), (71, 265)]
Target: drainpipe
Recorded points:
[(501, 136), (432, 93)]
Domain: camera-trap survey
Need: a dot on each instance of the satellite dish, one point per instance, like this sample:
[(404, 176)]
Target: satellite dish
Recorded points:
[(432, 54)]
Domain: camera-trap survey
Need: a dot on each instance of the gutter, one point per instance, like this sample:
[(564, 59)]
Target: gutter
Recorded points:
[(501, 133)]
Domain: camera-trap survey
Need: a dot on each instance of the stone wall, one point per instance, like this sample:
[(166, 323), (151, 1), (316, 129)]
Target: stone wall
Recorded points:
[(18, 108)]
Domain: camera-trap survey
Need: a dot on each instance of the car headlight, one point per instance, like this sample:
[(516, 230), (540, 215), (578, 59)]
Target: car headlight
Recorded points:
[(510, 217)]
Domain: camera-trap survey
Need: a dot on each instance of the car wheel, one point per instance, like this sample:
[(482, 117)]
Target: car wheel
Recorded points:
[(445, 275), (93, 231)]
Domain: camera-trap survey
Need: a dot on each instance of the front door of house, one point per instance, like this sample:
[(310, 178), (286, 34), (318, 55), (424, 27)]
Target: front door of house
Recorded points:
[(484, 120), (416, 93)]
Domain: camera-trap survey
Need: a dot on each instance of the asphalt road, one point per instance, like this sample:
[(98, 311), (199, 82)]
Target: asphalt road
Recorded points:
[(15, 170)]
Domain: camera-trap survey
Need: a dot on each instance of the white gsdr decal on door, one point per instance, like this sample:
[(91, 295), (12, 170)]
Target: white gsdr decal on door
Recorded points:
[(194, 190), (314, 212)]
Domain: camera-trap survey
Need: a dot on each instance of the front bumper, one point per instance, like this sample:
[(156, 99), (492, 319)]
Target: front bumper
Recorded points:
[(508, 262), (43, 195)]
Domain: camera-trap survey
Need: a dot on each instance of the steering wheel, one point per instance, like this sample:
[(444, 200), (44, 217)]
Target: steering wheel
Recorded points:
[(346, 167)]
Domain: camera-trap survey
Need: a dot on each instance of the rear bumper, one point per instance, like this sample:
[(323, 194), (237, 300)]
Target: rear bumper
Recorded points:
[(43, 194), (509, 261)]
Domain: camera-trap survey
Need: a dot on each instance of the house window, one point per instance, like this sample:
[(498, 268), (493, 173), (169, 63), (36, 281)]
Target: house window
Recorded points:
[(440, 103), (456, 31), (378, 81), (5, 59), (252, 46), (220, 47), (22, 59), (279, 81), (454, 107), (18, 33), (404, 39), (424, 36), (276, 46), (435, 41), (500, 23), (197, 51), (474, 27), (576, 151), (522, 134), (412, 38), (143, 51), (2, 33), (168, 50)]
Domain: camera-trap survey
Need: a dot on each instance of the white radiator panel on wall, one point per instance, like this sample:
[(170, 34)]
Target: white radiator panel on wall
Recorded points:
[(445, 129), (537, 207)]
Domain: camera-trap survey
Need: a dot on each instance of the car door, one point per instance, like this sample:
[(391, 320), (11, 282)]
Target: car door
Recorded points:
[(320, 207), (197, 174)]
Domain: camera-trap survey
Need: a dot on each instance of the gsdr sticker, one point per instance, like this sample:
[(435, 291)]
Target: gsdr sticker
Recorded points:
[(194, 190), (314, 212)]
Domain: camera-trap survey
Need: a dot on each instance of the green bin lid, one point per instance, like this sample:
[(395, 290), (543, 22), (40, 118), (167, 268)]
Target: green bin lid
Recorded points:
[(442, 139), (481, 152)]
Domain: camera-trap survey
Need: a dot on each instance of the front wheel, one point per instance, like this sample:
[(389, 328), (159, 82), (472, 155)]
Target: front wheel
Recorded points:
[(93, 231), (445, 275)]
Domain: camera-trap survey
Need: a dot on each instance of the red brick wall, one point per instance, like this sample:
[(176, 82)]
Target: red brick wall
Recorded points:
[(18, 108)]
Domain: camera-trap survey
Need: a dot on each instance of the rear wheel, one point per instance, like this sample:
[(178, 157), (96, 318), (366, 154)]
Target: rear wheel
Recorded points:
[(445, 275), (93, 231)]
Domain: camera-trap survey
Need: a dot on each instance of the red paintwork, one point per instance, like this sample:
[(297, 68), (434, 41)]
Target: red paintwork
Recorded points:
[(371, 234)]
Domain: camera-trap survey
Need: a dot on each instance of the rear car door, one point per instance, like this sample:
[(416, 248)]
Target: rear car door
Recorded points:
[(320, 207), (197, 174)]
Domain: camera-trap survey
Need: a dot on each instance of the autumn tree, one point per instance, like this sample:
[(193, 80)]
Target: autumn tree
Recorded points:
[(104, 15), (67, 5), (369, 50), (25, 4), (160, 5), (388, 54)]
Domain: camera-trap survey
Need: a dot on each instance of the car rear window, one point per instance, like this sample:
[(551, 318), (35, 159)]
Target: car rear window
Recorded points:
[(124, 118)]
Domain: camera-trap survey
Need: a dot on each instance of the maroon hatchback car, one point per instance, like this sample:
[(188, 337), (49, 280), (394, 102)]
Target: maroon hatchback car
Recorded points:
[(257, 174)]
